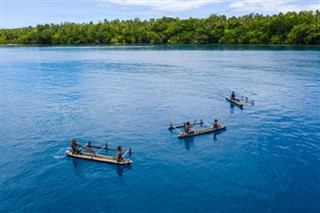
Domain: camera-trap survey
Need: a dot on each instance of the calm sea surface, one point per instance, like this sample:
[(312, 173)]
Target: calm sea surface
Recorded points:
[(268, 159)]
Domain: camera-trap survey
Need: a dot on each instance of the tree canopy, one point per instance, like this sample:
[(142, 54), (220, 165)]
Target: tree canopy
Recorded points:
[(301, 28)]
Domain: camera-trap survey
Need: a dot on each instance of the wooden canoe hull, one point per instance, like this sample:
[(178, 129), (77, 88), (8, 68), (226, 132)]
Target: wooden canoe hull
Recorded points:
[(234, 101), (201, 131), (100, 158)]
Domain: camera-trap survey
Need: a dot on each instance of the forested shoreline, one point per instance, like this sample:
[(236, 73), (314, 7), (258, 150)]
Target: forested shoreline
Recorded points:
[(301, 28)]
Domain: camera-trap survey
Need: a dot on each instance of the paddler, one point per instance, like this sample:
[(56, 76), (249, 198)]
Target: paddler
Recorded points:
[(119, 155), (187, 127), (233, 96), (74, 146), (215, 123)]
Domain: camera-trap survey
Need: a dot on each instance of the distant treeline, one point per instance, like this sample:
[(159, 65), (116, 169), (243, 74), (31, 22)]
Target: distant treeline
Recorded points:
[(290, 28)]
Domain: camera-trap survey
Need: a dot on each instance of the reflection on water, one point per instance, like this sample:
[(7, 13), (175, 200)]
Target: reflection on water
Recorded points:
[(232, 105), (78, 166), (218, 133), (188, 142), (127, 94), (121, 168)]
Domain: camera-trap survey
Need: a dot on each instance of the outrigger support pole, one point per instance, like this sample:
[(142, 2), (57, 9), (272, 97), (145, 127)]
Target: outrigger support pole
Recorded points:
[(84, 145), (100, 150), (207, 124), (129, 150), (177, 129)]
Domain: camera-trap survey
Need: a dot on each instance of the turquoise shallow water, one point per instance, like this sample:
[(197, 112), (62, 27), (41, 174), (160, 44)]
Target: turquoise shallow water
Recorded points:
[(268, 159)]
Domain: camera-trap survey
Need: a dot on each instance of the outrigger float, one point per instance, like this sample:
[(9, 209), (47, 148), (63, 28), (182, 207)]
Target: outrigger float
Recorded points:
[(95, 156), (196, 132)]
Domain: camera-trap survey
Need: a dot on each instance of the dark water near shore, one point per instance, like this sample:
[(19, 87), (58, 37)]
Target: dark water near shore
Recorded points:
[(268, 159)]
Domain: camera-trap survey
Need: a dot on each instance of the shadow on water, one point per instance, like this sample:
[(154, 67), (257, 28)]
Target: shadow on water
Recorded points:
[(121, 168), (218, 133), (78, 166), (232, 105), (188, 142)]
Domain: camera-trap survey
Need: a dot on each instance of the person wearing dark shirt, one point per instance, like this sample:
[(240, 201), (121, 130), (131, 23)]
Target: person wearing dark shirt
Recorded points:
[(233, 96), (119, 157)]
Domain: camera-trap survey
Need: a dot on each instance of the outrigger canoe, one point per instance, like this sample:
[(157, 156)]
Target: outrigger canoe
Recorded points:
[(237, 102), (96, 157), (201, 131)]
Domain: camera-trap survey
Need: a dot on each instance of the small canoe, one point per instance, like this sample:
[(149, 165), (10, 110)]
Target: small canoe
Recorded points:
[(101, 158), (237, 102), (201, 131)]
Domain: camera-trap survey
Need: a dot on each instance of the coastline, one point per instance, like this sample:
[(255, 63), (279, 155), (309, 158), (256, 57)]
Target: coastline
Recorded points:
[(173, 45)]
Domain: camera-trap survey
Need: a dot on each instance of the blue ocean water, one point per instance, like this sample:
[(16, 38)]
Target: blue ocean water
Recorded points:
[(268, 159)]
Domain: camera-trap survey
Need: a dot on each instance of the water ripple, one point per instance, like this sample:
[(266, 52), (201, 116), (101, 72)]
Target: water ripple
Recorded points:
[(266, 161)]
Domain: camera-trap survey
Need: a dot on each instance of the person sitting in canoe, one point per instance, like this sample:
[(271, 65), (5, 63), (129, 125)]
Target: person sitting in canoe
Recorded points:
[(215, 123), (74, 147), (233, 96), (187, 127), (119, 157)]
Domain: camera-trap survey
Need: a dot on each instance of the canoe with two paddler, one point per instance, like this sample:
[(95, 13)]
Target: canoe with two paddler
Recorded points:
[(96, 157), (237, 102), (201, 131)]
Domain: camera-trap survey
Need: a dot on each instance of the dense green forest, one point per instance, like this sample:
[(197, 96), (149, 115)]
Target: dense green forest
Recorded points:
[(301, 28)]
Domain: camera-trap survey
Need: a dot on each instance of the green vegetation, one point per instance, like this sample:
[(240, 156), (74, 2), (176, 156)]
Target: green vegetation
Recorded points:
[(301, 28)]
